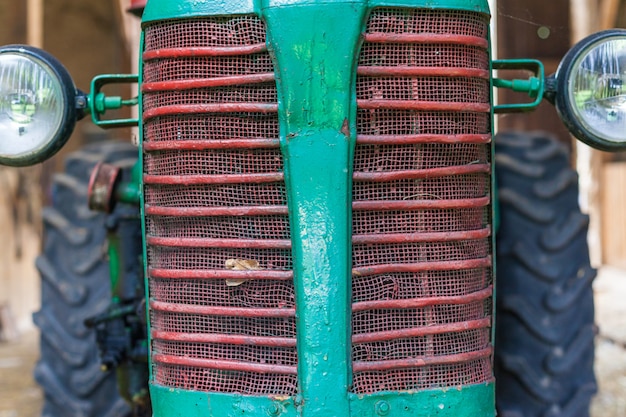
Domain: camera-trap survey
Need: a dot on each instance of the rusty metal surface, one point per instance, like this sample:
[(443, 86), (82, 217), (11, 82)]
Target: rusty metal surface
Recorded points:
[(100, 192)]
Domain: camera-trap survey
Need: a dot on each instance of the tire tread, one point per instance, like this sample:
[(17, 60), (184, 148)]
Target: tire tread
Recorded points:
[(544, 309), (75, 286)]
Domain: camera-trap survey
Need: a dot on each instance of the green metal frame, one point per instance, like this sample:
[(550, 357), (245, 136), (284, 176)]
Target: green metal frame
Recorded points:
[(99, 103), (471, 400), (318, 124), (157, 10), (534, 86), (310, 41)]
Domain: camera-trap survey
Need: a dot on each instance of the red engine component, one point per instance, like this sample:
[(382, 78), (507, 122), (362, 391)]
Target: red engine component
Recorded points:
[(137, 6), (216, 212)]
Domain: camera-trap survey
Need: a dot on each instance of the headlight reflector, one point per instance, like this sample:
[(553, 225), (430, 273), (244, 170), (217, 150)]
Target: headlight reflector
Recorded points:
[(37, 110)]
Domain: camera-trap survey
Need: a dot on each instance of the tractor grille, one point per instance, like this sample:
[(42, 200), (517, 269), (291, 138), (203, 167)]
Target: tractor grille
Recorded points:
[(421, 308), (219, 251), (218, 241)]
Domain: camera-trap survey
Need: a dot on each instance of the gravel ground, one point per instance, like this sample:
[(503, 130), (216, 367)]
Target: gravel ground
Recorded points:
[(21, 397), (610, 299)]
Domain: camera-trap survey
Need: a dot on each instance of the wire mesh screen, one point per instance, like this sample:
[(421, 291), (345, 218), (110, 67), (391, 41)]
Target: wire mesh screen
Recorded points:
[(421, 307), (219, 253), (218, 242)]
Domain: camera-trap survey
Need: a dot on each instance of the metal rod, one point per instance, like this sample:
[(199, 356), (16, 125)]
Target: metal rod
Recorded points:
[(423, 302), (421, 267)]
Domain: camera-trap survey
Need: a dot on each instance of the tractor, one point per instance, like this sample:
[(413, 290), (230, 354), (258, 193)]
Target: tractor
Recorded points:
[(308, 225)]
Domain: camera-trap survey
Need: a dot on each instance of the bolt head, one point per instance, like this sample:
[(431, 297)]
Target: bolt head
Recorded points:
[(382, 408), (273, 410)]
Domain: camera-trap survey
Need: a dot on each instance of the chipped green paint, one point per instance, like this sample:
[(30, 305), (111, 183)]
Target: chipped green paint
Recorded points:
[(184, 9), (315, 72), (452, 402), (168, 402), (467, 401)]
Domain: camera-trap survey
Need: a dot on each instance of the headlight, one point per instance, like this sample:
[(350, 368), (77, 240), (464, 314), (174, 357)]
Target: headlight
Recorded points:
[(37, 105), (591, 90)]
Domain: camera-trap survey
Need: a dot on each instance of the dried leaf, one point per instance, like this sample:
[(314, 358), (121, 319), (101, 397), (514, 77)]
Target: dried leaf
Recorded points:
[(240, 265)]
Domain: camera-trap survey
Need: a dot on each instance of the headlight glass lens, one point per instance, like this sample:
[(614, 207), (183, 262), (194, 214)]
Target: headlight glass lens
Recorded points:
[(597, 90), (31, 105)]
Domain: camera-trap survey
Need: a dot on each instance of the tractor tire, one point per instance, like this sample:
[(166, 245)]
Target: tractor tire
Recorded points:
[(544, 323), (75, 285)]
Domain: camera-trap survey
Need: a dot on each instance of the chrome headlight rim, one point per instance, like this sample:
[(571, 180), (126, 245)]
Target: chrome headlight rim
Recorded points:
[(564, 102)]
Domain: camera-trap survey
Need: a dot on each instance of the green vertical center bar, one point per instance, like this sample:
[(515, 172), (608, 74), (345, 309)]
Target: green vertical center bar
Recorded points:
[(315, 49)]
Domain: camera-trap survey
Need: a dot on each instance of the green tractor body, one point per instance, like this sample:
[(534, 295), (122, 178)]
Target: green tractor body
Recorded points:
[(315, 186), (317, 204)]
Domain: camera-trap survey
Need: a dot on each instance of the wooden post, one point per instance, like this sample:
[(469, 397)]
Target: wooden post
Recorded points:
[(19, 199), (131, 31), (8, 328), (584, 18), (34, 23), (608, 13), (528, 28), (589, 16)]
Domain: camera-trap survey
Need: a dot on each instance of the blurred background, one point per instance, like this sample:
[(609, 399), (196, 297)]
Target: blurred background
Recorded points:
[(99, 37)]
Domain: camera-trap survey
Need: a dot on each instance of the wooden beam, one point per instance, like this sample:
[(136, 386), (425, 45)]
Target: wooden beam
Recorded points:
[(584, 18), (608, 13), (130, 27)]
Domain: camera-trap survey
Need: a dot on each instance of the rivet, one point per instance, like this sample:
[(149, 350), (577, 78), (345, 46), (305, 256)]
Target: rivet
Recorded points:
[(273, 410), (382, 408)]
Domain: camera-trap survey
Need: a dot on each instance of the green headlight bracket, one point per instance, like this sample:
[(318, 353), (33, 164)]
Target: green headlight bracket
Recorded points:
[(534, 85), (99, 102)]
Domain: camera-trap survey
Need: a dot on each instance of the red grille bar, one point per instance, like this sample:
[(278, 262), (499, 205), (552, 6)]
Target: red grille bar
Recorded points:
[(420, 267), (208, 51), (226, 339), (178, 242), (421, 236), (425, 38), (201, 145), (415, 139), (421, 204), (222, 311), (422, 361), (215, 211), (450, 236), (421, 173), (213, 179), (208, 108), (423, 302), (219, 257), (394, 335), (219, 274), (222, 365), (401, 70), (207, 82), (421, 105)]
